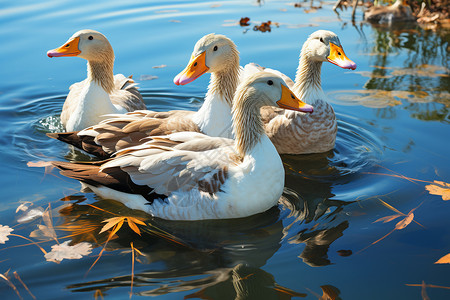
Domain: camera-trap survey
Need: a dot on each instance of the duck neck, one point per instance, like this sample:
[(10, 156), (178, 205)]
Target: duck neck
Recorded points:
[(101, 72), (224, 82), (308, 85), (247, 125), (214, 117)]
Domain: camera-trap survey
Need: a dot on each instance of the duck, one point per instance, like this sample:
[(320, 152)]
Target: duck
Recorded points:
[(294, 132), (397, 12), (213, 53), (193, 176), (102, 92)]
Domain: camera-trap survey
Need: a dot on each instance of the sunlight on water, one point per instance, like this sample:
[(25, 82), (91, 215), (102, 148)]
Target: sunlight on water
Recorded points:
[(392, 144)]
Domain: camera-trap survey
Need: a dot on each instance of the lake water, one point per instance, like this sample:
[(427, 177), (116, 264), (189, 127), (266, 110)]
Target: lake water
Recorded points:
[(394, 120)]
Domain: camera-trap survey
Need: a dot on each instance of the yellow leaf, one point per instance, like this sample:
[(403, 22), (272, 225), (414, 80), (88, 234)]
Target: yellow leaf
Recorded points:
[(439, 188), (444, 259), (405, 222), (136, 220), (133, 226), (111, 222)]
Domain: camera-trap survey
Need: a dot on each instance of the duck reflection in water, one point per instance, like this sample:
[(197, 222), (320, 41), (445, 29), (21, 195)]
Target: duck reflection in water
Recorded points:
[(317, 217), (227, 255)]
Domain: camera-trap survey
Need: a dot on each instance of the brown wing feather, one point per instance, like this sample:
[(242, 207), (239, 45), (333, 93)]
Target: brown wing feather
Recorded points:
[(113, 178)]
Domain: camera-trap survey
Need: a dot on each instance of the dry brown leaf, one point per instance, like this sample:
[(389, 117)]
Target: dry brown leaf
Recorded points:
[(405, 222), (439, 188), (265, 26), (444, 259), (244, 21)]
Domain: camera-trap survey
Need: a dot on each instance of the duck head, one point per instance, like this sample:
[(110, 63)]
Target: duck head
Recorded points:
[(88, 44), (269, 89), (212, 53), (324, 45)]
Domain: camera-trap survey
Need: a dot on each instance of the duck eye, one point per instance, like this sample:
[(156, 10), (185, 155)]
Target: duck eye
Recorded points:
[(215, 48), (91, 37), (321, 40), (270, 82)]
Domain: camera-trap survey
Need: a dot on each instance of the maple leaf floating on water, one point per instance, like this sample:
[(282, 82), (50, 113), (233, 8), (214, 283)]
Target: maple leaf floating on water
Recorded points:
[(244, 21), (65, 251), (444, 259), (4, 232), (265, 26), (439, 188)]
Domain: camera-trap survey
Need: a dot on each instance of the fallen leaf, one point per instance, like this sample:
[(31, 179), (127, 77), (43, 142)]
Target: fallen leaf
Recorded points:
[(24, 206), (444, 259), (244, 21), (65, 251), (4, 232), (31, 215), (175, 21), (43, 233), (265, 26), (215, 5), (405, 222), (148, 77), (111, 222), (439, 188)]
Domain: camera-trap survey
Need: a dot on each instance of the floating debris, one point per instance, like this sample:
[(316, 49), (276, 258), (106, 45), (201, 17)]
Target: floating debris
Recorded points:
[(265, 26), (148, 77), (244, 21)]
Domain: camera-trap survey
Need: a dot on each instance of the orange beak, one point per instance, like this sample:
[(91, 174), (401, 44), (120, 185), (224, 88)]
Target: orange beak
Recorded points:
[(338, 57), (68, 49), (195, 68), (290, 101)]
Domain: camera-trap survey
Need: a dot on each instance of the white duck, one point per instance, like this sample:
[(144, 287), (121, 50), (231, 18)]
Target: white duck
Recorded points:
[(192, 176), (213, 53), (101, 92), (299, 133)]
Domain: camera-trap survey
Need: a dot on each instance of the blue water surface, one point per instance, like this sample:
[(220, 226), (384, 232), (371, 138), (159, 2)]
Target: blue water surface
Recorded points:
[(393, 141)]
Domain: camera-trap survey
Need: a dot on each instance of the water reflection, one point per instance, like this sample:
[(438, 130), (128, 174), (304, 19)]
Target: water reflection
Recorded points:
[(409, 67), (226, 254)]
